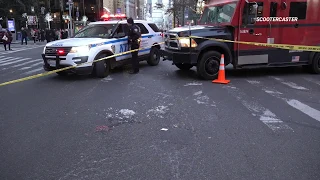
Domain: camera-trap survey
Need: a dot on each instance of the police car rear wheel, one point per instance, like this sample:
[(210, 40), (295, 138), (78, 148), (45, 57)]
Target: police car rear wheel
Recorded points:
[(102, 68), (208, 65), (154, 57), (184, 67)]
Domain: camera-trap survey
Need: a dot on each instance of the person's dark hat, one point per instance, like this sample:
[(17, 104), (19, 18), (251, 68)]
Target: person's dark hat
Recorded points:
[(130, 21)]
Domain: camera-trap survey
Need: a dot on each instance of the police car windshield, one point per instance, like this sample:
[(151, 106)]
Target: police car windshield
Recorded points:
[(218, 14), (96, 31)]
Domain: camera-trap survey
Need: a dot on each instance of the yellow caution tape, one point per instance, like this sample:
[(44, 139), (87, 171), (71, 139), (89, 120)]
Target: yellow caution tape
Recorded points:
[(280, 46), (70, 67)]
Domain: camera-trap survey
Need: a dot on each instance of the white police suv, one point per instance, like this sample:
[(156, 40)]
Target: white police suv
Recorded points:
[(98, 40)]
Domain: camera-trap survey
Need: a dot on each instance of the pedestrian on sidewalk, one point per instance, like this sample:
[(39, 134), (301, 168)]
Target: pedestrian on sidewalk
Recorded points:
[(7, 40), (24, 36), (42, 33), (33, 35)]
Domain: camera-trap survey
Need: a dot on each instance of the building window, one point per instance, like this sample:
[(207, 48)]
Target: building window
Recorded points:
[(298, 9)]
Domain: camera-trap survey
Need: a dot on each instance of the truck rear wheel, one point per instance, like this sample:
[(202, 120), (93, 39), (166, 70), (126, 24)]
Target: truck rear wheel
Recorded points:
[(154, 57), (184, 67), (315, 65), (208, 65), (102, 68)]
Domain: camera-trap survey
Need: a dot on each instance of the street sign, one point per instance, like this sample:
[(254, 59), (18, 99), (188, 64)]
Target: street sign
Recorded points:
[(118, 10)]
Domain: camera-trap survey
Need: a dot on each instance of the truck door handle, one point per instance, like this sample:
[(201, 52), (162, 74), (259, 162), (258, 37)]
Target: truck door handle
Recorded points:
[(259, 34)]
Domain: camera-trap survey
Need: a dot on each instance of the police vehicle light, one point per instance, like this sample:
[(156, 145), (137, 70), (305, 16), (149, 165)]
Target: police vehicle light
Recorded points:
[(185, 42), (60, 52), (81, 49), (107, 17)]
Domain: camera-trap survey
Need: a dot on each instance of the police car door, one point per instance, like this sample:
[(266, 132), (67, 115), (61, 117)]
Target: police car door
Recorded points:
[(121, 42), (146, 39)]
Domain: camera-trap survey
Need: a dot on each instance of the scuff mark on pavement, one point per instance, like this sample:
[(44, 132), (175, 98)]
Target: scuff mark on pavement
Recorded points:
[(158, 111)]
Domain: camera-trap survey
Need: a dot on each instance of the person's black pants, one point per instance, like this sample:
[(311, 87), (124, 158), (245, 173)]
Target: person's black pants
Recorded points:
[(5, 46), (24, 38), (134, 59)]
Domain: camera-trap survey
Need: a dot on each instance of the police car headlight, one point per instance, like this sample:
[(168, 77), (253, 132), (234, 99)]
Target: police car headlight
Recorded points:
[(81, 49), (185, 42)]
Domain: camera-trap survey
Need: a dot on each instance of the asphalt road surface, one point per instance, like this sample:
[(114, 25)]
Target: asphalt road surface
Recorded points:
[(159, 124)]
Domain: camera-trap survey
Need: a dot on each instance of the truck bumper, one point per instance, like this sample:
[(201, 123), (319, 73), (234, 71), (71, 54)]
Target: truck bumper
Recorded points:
[(56, 64), (179, 57)]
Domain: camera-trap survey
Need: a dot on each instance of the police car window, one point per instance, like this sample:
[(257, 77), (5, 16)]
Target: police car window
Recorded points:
[(96, 31), (218, 14), (154, 27), (143, 29)]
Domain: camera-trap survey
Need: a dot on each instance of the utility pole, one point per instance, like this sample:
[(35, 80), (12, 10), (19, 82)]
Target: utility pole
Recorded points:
[(70, 2), (61, 13)]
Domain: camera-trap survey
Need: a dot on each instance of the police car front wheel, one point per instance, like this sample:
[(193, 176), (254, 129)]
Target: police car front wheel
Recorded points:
[(154, 57), (102, 68)]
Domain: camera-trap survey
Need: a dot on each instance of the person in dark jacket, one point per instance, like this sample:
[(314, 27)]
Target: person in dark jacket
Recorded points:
[(134, 36), (24, 36), (8, 40), (48, 35)]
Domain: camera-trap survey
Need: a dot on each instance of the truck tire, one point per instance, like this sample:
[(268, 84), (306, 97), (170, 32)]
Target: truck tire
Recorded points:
[(208, 65), (102, 68), (62, 73), (314, 67), (184, 67), (154, 57)]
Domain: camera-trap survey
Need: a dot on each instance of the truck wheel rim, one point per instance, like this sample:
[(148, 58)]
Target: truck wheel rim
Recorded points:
[(212, 65)]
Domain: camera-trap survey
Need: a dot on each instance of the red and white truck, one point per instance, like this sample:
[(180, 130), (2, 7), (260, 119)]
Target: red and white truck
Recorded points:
[(295, 22)]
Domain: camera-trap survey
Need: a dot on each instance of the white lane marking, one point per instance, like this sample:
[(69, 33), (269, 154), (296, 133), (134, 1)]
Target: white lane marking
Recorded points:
[(313, 80), (33, 71), (313, 113), (290, 84), (197, 93), (309, 111), (14, 62), (31, 66), (22, 49), (22, 64), (265, 115), (6, 59), (9, 60), (24, 68), (193, 84)]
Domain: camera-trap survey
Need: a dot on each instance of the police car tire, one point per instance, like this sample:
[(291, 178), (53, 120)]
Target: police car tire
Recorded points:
[(184, 67), (201, 66), (152, 61), (102, 68), (315, 65)]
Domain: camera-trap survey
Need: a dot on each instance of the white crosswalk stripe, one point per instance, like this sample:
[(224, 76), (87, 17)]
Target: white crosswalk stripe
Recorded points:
[(22, 48), (20, 65)]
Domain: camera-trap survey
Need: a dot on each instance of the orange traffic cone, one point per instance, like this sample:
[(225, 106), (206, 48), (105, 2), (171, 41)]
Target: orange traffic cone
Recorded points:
[(221, 76)]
